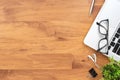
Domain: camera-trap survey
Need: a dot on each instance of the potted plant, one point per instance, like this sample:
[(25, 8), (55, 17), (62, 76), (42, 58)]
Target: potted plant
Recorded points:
[(111, 71)]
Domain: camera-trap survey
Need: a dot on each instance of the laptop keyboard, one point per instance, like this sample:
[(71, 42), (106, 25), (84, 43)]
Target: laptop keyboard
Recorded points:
[(115, 43)]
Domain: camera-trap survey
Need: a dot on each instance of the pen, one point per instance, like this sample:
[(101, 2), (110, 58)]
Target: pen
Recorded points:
[(91, 7)]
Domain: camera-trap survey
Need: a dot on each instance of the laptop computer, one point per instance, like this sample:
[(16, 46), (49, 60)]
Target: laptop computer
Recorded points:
[(107, 23)]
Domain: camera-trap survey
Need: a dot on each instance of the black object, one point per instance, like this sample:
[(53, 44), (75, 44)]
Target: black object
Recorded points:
[(115, 43), (113, 39), (106, 28), (118, 30), (116, 48), (109, 47), (117, 35), (112, 44), (118, 52), (119, 41), (93, 72)]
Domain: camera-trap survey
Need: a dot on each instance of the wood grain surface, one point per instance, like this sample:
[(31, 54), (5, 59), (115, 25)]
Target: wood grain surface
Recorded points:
[(43, 40), (36, 61)]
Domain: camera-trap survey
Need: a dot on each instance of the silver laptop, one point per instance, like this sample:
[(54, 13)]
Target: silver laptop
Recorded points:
[(104, 34)]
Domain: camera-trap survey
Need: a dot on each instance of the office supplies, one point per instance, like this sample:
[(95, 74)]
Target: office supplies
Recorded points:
[(91, 7), (104, 34), (94, 59), (93, 72)]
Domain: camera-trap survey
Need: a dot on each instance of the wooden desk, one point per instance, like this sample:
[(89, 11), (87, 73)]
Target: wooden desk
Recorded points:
[(43, 40)]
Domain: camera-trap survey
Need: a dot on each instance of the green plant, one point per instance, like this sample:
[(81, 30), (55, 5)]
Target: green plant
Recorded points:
[(111, 71)]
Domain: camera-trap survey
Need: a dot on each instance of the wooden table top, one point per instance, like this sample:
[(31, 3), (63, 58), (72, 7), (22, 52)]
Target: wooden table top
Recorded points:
[(43, 40)]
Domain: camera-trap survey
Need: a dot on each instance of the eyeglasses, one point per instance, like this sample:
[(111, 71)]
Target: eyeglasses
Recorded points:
[(103, 28)]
